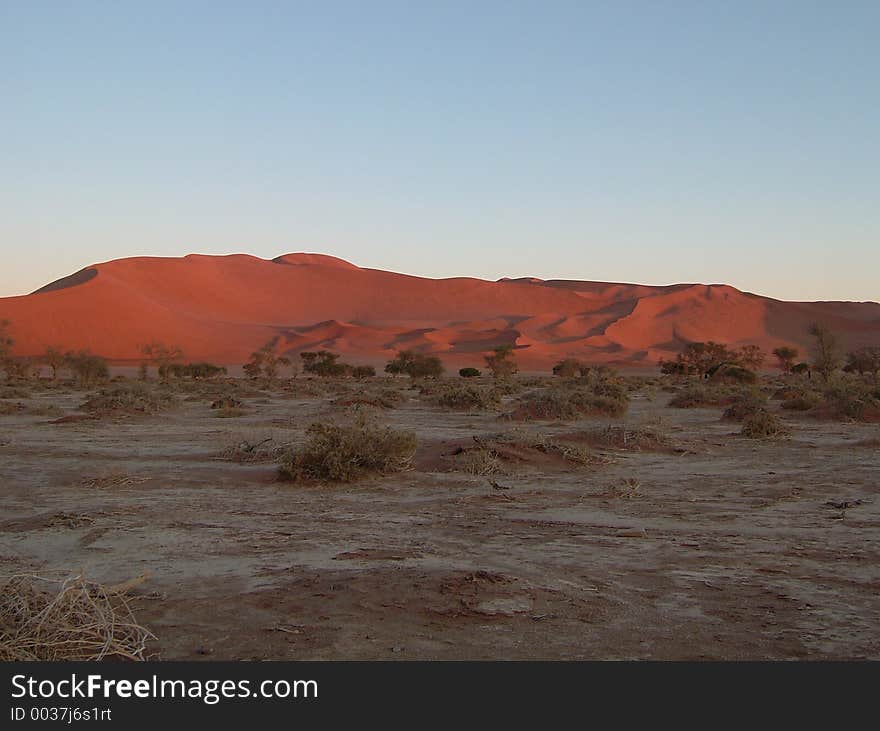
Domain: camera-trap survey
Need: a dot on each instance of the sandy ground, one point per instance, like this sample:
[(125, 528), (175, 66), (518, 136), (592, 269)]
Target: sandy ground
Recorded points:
[(720, 548)]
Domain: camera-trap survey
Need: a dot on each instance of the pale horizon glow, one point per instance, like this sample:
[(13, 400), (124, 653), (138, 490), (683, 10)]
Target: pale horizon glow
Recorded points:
[(643, 142)]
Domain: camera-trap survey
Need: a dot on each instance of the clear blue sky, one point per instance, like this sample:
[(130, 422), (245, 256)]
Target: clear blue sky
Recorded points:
[(653, 142)]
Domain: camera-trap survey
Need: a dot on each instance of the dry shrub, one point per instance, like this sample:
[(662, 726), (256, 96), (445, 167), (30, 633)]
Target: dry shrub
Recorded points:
[(9, 407), (745, 404), (732, 373), (344, 453), (570, 452), (801, 403), (253, 448), (626, 488), (227, 402), (481, 461), (637, 439), (702, 396), (851, 399), (466, 397), (385, 398), (130, 398), (494, 455), (14, 392), (763, 424), (303, 388), (564, 403), (74, 619), (229, 413), (507, 386)]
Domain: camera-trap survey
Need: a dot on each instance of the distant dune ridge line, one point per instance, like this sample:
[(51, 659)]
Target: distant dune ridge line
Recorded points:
[(222, 308)]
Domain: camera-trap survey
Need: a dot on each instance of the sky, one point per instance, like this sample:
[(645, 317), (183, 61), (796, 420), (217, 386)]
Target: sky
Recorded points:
[(649, 142)]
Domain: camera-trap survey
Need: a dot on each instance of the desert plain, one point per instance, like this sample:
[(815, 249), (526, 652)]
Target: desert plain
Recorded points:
[(662, 533)]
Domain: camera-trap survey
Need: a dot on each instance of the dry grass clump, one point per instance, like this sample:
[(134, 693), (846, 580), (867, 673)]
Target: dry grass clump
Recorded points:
[(763, 424), (466, 397), (10, 407), (565, 403), (130, 398), (344, 453), (74, 619)]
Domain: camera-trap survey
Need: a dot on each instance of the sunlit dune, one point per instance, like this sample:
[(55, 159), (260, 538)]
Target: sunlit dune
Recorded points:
[(221, 308)]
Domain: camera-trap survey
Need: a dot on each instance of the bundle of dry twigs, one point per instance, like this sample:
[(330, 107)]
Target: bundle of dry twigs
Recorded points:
[(71, 619)]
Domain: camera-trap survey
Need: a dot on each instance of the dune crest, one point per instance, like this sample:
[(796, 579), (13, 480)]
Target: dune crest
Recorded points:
[(221, 308)]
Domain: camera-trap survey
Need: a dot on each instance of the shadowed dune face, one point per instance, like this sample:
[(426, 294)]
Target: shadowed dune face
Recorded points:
[(72, 280), (221, 308)]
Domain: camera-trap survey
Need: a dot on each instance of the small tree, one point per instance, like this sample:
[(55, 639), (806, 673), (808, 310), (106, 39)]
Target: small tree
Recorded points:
[(571, 367), (265, 362), (6, 343), (751, 357), (786, 356), (864, 360), (87, 368), (415, 365), (826, 352), (363, 371), (706, 357), (501, 362), (55, 359), (324, 364), (162, 357)]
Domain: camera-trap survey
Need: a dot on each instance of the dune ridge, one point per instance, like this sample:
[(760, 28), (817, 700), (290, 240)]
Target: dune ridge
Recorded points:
[(221, 308)]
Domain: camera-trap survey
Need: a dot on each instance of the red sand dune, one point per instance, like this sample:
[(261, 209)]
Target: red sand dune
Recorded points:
[(221, 308)]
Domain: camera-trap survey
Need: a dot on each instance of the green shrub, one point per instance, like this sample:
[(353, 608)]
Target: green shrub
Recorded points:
[(346, 453), (469, 372)]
